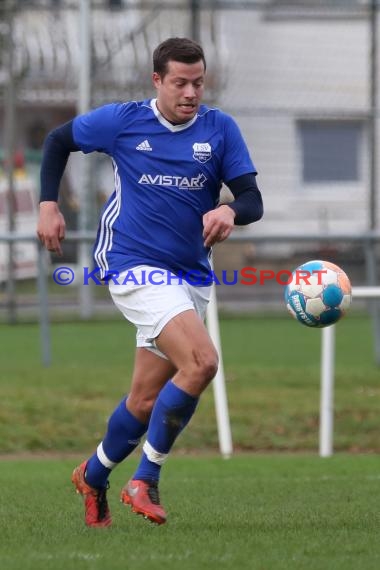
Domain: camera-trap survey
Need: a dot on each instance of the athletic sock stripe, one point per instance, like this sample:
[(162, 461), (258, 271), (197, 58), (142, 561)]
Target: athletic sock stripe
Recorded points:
[(153, 455), (103, 457)]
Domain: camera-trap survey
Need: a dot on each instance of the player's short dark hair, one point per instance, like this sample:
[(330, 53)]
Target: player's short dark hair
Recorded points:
[(176, 49)]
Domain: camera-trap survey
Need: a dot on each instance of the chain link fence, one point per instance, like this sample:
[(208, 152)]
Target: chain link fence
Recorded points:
[(300, 77)]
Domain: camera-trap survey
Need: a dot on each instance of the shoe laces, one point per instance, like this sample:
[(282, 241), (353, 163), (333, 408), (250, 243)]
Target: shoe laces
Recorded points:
[(153, 493), (101, 501)]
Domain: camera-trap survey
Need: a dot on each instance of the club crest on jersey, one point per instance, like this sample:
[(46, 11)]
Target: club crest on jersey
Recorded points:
[(202, 152)]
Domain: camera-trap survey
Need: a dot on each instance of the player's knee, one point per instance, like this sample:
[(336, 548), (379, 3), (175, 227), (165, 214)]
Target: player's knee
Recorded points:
[(141, 405), (212, 367), (146, 406), (197, 372), (207, 366)]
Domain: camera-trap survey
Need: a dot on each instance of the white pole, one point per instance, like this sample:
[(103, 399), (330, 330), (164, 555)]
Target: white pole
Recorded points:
[(220, 396), (84, 99), (328, 374), (327, 392), (366, 292)]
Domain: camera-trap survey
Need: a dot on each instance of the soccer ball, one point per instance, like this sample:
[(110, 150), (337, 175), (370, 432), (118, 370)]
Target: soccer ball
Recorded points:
[(318, 294)]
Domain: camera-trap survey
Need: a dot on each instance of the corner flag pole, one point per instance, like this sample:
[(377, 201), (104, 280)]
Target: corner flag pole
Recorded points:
[(220, 396)]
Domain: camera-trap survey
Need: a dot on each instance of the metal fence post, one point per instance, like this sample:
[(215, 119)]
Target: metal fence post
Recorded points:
[(43, 301)]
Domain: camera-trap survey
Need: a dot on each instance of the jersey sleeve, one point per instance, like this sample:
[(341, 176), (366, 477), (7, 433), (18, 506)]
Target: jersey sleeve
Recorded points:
[(98, 129), (236, 158)]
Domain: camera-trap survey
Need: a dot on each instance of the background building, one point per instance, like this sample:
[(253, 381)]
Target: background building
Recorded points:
[(299, 76)]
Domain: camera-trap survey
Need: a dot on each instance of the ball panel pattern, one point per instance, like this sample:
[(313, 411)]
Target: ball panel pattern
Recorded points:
[(318, 294)]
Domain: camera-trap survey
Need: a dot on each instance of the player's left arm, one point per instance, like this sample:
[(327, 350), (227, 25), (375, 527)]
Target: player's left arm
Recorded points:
[(248, 203), (245, 209)]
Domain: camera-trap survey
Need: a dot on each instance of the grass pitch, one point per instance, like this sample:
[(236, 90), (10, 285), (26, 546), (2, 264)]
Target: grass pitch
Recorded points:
[(283, 512), (255, 511), (272, 368)]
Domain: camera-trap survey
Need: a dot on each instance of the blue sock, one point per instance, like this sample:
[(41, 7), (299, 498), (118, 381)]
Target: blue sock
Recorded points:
[(171, 413), (122, 437)]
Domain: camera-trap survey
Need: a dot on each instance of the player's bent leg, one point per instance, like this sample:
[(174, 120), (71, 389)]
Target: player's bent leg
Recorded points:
[(151, 373), (186, 342), (122, 436)]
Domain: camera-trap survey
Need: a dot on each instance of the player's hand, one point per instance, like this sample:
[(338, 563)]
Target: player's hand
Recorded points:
[(217, 225), (51, 227)]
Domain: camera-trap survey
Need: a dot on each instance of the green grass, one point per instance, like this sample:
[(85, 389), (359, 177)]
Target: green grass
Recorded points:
[(251, 513), (272, 367), (255, 511)]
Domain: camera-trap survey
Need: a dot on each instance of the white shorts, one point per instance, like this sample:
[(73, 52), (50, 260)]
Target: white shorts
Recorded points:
[(149, 297)]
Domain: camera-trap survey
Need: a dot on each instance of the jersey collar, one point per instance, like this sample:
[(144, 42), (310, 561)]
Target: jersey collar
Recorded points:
[(166, 123)]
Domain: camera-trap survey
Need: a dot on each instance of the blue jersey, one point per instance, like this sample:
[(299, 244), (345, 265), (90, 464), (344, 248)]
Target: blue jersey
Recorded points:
[(166, 177)]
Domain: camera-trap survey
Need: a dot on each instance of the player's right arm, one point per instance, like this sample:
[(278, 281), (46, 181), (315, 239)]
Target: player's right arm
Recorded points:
[(57, 148), (96, 130)]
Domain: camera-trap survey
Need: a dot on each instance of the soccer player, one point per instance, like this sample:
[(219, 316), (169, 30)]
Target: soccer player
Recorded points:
[(170, 155)]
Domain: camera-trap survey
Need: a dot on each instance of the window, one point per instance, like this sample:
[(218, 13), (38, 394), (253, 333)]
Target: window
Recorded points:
[(330, 150)]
